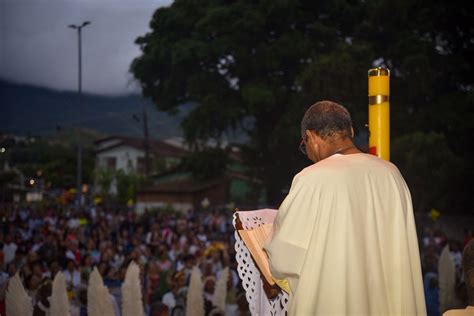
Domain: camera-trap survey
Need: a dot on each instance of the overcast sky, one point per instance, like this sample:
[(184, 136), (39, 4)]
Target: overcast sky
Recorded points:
[(37, 47)]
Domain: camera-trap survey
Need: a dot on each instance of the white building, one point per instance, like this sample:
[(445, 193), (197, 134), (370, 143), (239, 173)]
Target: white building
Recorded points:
[(128, 154)]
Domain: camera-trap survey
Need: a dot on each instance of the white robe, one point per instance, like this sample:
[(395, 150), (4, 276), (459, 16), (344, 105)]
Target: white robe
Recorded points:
[(345, 240)]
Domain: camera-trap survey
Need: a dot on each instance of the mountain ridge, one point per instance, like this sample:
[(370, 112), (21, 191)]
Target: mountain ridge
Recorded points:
[(33, 110)]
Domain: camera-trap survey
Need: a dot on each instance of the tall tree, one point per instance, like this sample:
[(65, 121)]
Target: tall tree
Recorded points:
[(245, 64), (51, 160), (256, 66)]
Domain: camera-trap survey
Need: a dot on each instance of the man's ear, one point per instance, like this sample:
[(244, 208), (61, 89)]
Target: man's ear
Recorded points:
[(313, 137), (310, 136)]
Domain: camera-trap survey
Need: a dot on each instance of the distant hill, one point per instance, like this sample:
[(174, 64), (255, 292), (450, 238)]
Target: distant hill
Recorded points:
[(29, 110)]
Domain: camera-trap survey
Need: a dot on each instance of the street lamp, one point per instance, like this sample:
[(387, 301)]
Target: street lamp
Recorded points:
[(79, 143)]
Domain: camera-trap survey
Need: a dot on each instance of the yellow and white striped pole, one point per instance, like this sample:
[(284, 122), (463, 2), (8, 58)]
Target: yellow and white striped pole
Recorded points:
[(379, 112)]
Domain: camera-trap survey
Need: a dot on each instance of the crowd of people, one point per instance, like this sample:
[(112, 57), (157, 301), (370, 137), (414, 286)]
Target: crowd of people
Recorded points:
[(432, 243), (38, 243)]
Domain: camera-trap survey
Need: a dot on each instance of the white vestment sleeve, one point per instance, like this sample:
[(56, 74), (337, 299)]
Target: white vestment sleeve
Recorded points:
[(287, 249)]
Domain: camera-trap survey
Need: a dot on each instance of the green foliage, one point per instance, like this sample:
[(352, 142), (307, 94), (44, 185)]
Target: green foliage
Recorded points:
[(430, 168), (267, 61), (8, 177), (158, 165), (54, 162), (104, 178), (127, 185), (206, 163)]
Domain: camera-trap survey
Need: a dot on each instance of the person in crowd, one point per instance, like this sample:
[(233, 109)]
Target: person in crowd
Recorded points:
[(344, 238), (467, 236), (72, 275), (468, 272), (74, 241)]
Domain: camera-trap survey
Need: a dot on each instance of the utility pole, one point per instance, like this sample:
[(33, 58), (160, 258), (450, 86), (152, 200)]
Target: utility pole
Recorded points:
[(79, 142)]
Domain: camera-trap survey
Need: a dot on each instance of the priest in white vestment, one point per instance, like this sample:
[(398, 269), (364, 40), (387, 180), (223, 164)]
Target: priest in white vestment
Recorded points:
[(344, 237)]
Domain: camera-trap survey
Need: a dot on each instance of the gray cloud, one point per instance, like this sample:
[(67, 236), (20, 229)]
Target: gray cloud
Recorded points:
[(37, 47)]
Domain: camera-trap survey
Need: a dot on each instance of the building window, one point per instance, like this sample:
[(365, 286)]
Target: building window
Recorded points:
[(111, 163), (141, 165)]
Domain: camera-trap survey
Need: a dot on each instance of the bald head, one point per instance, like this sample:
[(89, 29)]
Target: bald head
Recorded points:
[(328, 119)]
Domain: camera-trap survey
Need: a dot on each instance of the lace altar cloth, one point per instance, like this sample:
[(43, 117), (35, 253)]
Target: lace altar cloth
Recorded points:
[(259, 303)]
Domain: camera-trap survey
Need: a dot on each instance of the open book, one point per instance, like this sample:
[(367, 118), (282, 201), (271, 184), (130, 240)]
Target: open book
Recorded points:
[(266, 295), (255, 239)]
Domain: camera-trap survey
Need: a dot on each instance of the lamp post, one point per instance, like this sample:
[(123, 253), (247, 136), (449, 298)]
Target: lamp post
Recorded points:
[(79, 143)]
